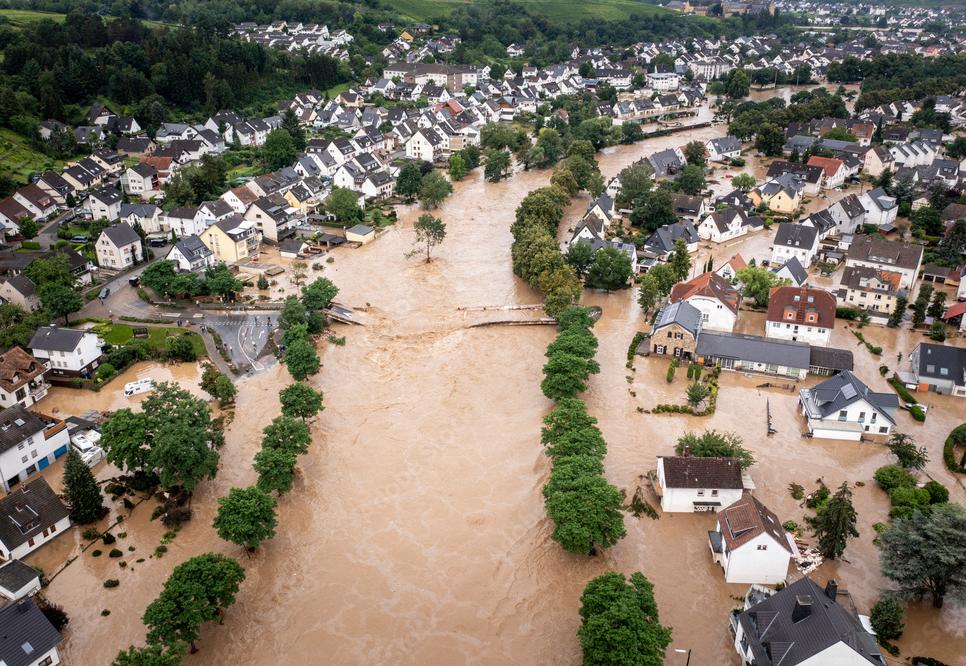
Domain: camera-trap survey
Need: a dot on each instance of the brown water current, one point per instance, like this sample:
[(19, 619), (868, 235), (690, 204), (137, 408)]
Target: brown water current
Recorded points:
[(416, 532)]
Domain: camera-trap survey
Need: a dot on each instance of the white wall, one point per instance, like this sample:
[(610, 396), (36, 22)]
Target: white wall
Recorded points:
[(25, 548), (749, 565), (716, 315), (814, 335), (35, 449), (87, 351)]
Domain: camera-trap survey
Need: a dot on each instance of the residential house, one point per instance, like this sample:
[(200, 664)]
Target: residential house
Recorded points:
[(723, 148), (834, 170), (70, 352), (119, 247), (141, 180), (870, 289), (848, 214), (728, 224), (729, 269), (660, 244), (427, 144), (803, 625), (273, 217), (781, 195), (800, 314), (18, 581), (750, 544), (688, 484), (21, 378), (885, 255), (795, 240), (842, 407), (938, 368), (12, 213), (689, 208), (191, 254), (28, 444), (148, 216), (104, 204), (880, 208), (812, 177), (232, 239), (184, 221), (29, 637), (793, 271), (714, 296), (675, 331), (30, 516), (21, 291), (35, 199), (752, 353)]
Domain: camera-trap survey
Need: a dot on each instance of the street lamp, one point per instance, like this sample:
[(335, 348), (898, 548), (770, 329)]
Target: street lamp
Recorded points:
[(682, 651)]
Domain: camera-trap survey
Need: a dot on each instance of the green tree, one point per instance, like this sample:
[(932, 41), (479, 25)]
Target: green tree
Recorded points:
[(246, 517), (220, 280), (80, 490), (276, 469), (586, 511), (279, 150), (430, 232), (457, 167), (738, 84), (757, 283), (319, 294), (52, 269), (714, 444), (293, 313), (610, 270), (636, 181), (408, 180), (497, 165), (926, 554), (694, 153), (179, 348), (769, 140), (680, 260), (654, 210), (151, 655), (573, 341), (300, 400), (691, 179), (197, 591), (744, 182), (287, 433), (172, 435), (433, 189), (344, 204), (904, 448), (28, 228), (938, 305), (895, 319), (225, 390), (648, 293), (835, 524), (696, 393), (290, 123), (580, 256), (59, 300), (620, 623), (887, 617), (565, 375)]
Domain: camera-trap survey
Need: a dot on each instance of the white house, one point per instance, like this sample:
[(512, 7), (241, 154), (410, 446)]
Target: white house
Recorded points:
[(802, 625), (842, 407), (714, 297), (800, 314), (728, 224), (147, 215), (119, 247), (141, 180), (184, 221), (18, 581), (28, 444), (723, 148), (880, 208), (30, 638), (795, 240), (104, 203), (70, 352), (191, 254), (663, 81), (750, 544), (688, 484), (426, 144)]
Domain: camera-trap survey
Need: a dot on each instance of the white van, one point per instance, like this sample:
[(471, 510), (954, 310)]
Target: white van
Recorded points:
[(140, 386), (86, 444)]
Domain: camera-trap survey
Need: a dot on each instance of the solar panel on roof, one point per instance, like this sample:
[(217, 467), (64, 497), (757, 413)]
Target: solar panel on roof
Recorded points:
[(849, 391)]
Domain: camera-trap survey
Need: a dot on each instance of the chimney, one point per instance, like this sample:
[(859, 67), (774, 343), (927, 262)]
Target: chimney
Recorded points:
[(831, 589), (687, 451), (803, 607)]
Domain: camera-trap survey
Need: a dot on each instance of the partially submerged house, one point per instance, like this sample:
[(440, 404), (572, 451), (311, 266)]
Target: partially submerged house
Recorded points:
[(689, 484), (843, 407), (750, 543)]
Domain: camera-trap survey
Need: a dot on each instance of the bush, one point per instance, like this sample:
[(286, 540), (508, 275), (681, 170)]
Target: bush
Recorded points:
[(90, 534), (891, 477), (907, 500), (790, 526), (96, 553), (105, 613), (108, 538), (847, 313), (111, 582), (797, 491), (917, 413), (115, 553), (670, 371), (902, 391), (883, 370), (956, 438), (54, 614), (104, 372), (938, 493)]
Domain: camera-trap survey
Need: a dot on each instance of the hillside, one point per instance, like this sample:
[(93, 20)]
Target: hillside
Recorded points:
[(561, 10)]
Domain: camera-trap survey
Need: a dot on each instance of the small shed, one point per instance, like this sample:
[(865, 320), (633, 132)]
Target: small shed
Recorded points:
[(291, 248), (17, 580), (360, 233)]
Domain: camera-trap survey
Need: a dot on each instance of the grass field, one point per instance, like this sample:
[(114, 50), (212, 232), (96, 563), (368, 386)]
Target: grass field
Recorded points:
[(121, 334), (18, 159), (563, 10), (19, 17)]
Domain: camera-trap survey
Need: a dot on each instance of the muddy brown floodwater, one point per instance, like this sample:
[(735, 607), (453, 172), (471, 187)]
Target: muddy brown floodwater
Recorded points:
[(416, 532)]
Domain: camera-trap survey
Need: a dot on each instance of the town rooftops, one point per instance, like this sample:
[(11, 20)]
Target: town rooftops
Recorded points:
[(838, 392), (880, 251), (942, 362), (16, 425), (747, 519), (788, 353), (17, 367), (709, 285), (55, 338), (28, 511), (796, 235), (15, 575), (829, 165), (27, 634), (694, 472), (801, 621), (192, 247), (682, 313)]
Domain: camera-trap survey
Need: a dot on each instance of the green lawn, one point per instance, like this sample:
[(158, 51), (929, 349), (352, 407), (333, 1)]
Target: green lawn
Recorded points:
[(18, 159), (615, 10), (21, 17), (122, 334)]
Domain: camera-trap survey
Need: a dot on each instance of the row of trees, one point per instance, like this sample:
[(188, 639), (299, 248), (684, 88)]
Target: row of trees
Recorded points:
[(658, 282), (585, 509), (163, 278), (300, 319)]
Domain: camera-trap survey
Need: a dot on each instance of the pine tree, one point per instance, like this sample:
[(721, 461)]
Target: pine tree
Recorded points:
[(81, 490), (836, 524)]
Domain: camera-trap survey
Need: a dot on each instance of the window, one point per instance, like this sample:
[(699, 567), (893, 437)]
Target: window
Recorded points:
[(33, 454), (861, 417), (763, 546), (883, 429), (24, 459), (700, 493), (714, 493), (843, 415), (20, 446)]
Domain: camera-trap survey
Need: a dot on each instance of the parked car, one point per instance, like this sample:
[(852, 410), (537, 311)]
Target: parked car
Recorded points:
[(105, 292), (78, 239)]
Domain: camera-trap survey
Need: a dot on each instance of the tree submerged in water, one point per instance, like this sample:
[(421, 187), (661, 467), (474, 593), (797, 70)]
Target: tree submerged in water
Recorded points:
[(430, 232)]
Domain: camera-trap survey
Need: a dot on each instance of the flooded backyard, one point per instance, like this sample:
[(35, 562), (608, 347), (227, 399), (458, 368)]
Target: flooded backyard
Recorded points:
[(416, 532)]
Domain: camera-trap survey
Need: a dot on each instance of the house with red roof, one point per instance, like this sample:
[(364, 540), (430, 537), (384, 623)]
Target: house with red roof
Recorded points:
[(714, 296)]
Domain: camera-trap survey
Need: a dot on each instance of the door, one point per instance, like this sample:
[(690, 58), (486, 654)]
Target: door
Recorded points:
[(43, 463), (61, 451)]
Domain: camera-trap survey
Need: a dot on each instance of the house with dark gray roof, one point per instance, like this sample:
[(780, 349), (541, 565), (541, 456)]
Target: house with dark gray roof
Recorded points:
[(752, 353), (723, 148), (675, 331), (803, 624), (660, 244), (843, 407), (119, 247), (70, 352), (28, 444), (689, 484), (793, 271), (30, 516), (795, 240), (938, 368), (191, 254), (28, 637), (17, 580)]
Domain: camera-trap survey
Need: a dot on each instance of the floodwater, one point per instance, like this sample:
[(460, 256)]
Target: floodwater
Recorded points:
[(416, 532)]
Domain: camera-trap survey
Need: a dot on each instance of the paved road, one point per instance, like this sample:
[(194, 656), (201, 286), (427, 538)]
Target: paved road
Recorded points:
[(244, 335)]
